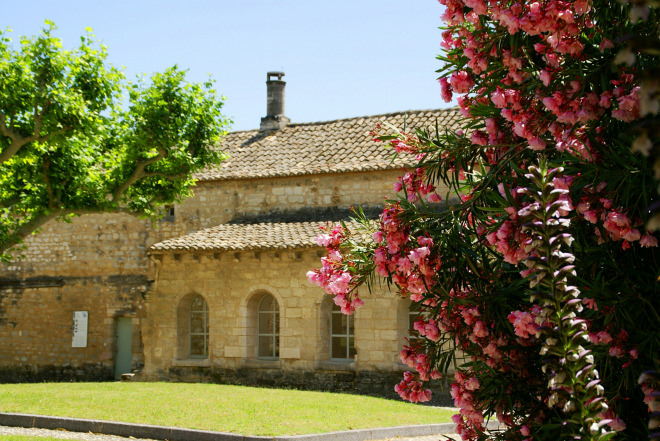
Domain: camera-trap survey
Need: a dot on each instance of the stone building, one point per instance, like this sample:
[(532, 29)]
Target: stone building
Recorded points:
[(216, 289)]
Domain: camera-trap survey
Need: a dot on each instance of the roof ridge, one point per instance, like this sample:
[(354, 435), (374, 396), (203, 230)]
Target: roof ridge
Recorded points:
[(379, 115)]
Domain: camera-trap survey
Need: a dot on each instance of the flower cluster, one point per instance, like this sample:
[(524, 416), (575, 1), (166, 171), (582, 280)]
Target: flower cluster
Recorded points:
[(334, 275), (470, 419), (415, 187), (525, 323), (597, 208), (410, 262), (404, 142)]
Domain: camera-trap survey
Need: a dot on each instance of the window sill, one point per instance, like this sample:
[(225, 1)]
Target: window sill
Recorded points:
[(336, 365), (192, 362), (262, 363)]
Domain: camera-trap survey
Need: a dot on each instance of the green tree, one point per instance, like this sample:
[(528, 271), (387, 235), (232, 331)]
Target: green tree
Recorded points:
[(68, 145)]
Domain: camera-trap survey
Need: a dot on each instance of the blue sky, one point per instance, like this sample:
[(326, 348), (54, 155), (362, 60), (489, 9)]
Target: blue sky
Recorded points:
[(342, 58)]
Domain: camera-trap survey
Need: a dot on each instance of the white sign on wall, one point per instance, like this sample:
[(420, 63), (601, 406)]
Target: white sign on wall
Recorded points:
[(79, 339)]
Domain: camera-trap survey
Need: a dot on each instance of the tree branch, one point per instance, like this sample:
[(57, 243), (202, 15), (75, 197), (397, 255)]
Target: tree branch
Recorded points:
[(26, 229), (138, 173), (18, 141)]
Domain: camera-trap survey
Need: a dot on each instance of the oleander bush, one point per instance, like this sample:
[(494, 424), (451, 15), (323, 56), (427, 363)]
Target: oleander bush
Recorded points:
[(540, 266)]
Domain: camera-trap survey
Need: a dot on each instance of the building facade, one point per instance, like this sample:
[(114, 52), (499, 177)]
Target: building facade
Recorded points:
[(216, 289)]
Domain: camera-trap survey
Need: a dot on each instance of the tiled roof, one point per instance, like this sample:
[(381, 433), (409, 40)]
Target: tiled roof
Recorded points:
[(245, 237), (324, 147)]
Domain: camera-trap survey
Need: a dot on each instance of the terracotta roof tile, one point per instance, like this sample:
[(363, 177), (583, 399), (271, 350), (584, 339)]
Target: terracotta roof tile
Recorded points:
[(246, 237), (323, 147)]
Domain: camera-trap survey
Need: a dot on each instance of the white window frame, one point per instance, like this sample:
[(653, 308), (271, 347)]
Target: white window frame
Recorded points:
[(349, 335), (205, 333), (272, 333)]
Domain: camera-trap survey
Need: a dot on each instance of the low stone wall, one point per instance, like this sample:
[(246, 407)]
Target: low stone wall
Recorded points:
[(48, 373), (379, 384)]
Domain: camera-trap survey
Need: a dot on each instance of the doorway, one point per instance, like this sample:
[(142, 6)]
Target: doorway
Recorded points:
[(123, 339)]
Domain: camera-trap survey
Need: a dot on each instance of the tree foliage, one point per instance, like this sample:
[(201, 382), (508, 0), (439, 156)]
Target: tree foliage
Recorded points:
[(69, 145), (540, 266)]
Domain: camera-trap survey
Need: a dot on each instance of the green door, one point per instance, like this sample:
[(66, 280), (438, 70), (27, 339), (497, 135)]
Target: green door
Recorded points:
[(124, 355)]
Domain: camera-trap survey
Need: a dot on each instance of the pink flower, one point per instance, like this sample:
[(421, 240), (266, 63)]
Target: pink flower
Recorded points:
[(478, 6), (497, 97), (493, 351), (648, 240), (479, 138), (461, 81), (537, 144), (616, 351), (313, 277), (602, 338), (628, 106), (417, 255), (631, 234), (472, 384), (445, 90), (341, 284), (404, 266), (605, 44), (480, 330), (619, 219), (334, 255), (591, 216), (425, 241), (431, 331), (590, 303), (582, 6), (615, 423), (545, 77), (323, 240), (434, 198), (412, 389), (524, 324)]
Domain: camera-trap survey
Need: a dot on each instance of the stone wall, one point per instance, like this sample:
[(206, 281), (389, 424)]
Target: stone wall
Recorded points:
[(98, 263), (230, 281)]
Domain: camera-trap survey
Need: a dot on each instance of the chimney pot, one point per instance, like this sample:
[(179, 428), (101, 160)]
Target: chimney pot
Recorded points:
[(274, 119)]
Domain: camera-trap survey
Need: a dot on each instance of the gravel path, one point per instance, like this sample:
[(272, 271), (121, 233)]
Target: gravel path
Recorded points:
[(63, 434)]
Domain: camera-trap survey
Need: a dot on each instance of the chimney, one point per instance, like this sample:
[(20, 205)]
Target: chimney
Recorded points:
[(274, 119)]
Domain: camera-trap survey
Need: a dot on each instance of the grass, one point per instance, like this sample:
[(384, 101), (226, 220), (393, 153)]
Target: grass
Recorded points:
[(235, 409), (27, 438)]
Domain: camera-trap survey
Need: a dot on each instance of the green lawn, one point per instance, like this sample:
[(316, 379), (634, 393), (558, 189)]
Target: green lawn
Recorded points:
[(237, 409)]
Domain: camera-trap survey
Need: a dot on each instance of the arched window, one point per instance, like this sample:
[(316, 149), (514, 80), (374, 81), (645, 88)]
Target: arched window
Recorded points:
[(342, 338), (268, 333), (199, 328)]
